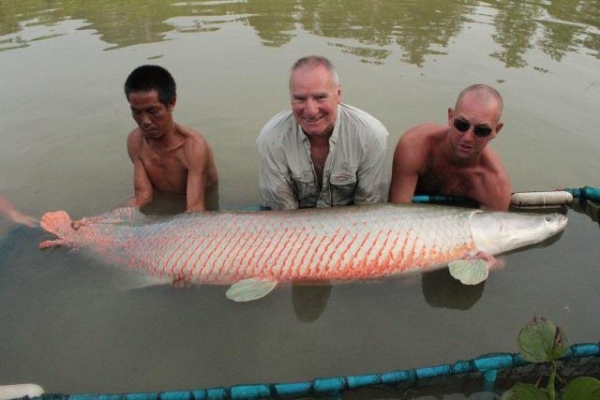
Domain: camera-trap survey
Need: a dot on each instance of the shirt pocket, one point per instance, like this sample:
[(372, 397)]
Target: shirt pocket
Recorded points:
[(304, 186), (342, 188)]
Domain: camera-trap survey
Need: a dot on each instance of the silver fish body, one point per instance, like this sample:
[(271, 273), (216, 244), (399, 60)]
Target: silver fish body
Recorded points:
[(262, 248)]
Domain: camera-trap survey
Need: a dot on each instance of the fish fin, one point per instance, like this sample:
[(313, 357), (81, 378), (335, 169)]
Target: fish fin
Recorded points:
[(59, 224), (250, 289), (469, 272)]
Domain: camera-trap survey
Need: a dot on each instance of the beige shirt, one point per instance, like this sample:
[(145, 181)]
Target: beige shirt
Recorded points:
[(354, 171)]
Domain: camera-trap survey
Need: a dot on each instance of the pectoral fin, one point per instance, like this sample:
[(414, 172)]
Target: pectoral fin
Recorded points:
[(469, 272), (250, 289)]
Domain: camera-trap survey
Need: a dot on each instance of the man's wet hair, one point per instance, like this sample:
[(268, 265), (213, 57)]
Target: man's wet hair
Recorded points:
[(152, 77)]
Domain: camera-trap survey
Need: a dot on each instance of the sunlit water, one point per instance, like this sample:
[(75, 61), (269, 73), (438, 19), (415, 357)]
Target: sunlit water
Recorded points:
[(76, 326)]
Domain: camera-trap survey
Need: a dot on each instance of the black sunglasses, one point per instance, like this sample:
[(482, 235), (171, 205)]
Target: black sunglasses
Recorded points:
[(479, 131)]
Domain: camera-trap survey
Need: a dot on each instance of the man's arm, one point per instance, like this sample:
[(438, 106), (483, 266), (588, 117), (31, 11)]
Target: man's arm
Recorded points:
[(495, 192), (498, 198), (199, 160), (409, 157), (141, 183), (9, 211), (371, 175)]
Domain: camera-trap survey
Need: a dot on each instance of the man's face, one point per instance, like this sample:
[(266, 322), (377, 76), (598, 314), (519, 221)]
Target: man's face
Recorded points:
[(472, 126), (314, 98), (152, 116)]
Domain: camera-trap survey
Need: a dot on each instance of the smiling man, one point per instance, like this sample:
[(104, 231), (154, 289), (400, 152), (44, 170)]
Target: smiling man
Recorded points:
[(454, 159), (167, 157), (322, 152)]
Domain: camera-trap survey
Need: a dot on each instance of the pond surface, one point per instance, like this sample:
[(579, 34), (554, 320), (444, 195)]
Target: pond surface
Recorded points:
[(76, 326)]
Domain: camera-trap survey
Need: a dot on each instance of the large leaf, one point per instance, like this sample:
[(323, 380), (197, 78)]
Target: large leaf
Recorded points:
[(525, 391), (542, 341), (582, 388)]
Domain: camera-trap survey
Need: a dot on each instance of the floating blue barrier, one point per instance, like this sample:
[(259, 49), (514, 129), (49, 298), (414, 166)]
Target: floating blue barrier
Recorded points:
[(585, 193), (488, 365)]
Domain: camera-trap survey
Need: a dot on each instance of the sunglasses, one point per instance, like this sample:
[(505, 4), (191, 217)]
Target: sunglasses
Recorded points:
[(478, 130)]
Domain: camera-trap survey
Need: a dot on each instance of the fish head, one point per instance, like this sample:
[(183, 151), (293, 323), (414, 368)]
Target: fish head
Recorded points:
[(497, 232)]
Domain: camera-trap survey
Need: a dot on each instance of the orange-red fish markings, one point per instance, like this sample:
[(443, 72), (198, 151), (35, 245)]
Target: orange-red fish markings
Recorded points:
[(303, 245), (407, 251), (201, 260), (278, 253), (247, 242), (311, 256), (193, 252), (214, 257), (300, 245), (180, 264), (296, 239), (337, 256), (265, 241), (245, 255), (343, 252), (229, 254), (165, 255), (256, 245), (381, 256), (392, 261), (153, 266), (174, 255), (325, 251)]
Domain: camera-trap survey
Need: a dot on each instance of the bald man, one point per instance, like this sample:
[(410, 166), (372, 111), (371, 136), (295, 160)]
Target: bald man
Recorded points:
[(455, 159)]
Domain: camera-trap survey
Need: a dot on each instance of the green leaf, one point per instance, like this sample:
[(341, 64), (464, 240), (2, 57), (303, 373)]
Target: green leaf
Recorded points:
[(542, 341), (525, 391), (582, 388)]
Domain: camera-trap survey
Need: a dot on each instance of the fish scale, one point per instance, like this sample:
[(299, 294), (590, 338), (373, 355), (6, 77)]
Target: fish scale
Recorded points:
[(222, 248)]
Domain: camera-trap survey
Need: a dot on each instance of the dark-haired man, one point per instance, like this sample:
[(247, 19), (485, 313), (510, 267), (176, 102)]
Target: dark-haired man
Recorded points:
[(167, 157), (454, 159)]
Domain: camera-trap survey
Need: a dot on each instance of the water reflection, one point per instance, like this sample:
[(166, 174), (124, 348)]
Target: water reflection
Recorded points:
[(441, 290), (309, 302), (370, 30)]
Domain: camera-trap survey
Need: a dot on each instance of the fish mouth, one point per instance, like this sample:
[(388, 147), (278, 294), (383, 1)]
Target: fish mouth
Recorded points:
[(561, 221)]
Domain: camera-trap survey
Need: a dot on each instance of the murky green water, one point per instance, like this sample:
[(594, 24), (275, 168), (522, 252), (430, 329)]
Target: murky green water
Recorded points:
[(72, 325)]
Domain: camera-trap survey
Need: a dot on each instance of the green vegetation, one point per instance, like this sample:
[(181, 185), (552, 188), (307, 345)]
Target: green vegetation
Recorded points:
[(541, 341)]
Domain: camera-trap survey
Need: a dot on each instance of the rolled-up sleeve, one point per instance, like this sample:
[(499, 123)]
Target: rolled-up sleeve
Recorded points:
[(371, 174), (276, 188)]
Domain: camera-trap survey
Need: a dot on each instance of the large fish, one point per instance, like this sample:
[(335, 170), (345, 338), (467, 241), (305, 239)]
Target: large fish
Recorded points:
[(255, 250)]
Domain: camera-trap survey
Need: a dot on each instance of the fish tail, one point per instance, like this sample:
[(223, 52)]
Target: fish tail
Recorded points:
[(58, 223)]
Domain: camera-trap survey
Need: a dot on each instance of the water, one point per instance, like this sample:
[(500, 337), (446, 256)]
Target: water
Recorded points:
[(76, 326)]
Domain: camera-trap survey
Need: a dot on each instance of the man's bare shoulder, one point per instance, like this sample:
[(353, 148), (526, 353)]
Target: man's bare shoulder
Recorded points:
[(191, 134), (422, 138), (134, 135), (197, 150), (135, 142), (194, 141), (426, 131)]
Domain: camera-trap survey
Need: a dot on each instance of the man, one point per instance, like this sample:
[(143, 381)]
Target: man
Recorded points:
[(321, 153), (167, 157), (454, 159)]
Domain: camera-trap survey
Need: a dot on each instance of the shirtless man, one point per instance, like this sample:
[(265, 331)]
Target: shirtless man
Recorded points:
[(454, 159), (167, 157)]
